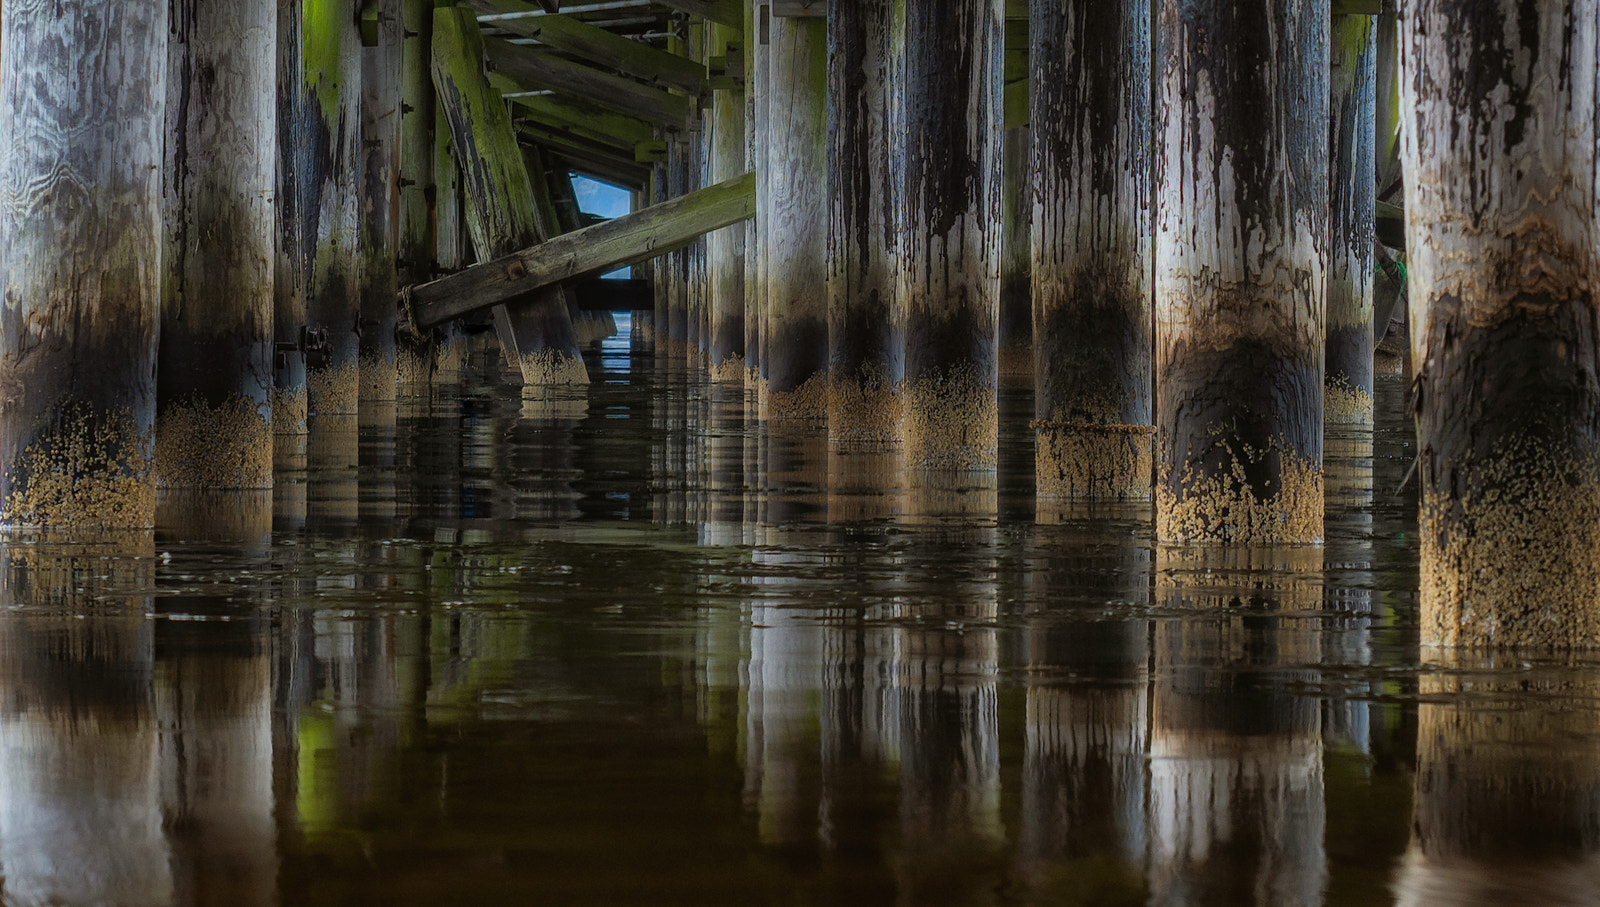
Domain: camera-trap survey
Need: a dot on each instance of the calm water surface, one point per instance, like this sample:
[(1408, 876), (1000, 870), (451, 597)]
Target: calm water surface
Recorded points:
[(628, 647)]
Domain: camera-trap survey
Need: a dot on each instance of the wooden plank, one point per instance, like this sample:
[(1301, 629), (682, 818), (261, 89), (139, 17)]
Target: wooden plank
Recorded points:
[(576, 37), (534, 327), (722, 12), (1357, 7), (626, 240), (794, 9), (539, 69), (620, 162), (563, 112)]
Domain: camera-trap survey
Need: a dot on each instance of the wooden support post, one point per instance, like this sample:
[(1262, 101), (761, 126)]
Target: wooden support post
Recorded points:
[(756, 141), (950, 232), (1241, 246), (381, 87), (414, 359), (1016, 262), (678, 343), (1500, 211), (796, 354), (725, 247), (1353, 82), (866, 338), (660, 341), (80, 223), (289, 270), (535, 332), (214, 371), (328, 158), (1091, 248)]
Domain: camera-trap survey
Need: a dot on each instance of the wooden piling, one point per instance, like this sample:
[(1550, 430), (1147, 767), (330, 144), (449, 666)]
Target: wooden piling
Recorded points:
[(866, 338), (725, 248), (950, 231), (1500, 211), (757, 18), (81, 150), (327, 140), (1091, 247), (536, 333), (796, 345), (677, 270), (214, 370), (381, 86), (1015, 332), (414, 253), (1241, 245), (1347, 394), (288, 264)]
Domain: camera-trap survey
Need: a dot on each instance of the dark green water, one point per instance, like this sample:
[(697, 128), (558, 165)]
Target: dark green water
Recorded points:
[(628, 648)]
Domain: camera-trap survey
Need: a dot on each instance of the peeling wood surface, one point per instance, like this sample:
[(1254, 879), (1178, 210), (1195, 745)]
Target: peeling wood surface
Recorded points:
[(593, 250)]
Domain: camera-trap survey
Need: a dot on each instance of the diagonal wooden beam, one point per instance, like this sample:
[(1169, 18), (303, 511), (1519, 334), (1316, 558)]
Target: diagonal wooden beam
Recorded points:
[(593, 250), (576, 37), (538, 69), (564, 111)]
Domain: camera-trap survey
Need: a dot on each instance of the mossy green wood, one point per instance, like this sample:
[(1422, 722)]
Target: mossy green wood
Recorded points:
[(535, 69), (629, 239), (563, 111), (501, 216), (613, 51), (722, 12)]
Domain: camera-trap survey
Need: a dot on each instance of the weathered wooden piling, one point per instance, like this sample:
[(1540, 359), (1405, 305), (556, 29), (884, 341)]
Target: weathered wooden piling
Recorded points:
[(1091, 247), (866, 339), (725, 248), (414, 354), (1500, 207), (1241, 245), (84, 88), (327, 142), (536, 332), (755, 139), (288, 265), (1347, 393), (381, 87), (950, 228), (677, 261), (214, 373), (795, 354), (1015, 331)]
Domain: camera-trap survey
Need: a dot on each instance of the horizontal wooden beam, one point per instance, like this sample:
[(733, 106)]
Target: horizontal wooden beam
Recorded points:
[(794, 9), (619, 164), (569, 113), (540, 69), (722, 12), (573, 36), (1357, 7), (593, 250)]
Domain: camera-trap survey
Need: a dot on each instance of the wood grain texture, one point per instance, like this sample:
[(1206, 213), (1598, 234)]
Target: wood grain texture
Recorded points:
[(796, 204), (381, 85), (81, 151), (725, 247)]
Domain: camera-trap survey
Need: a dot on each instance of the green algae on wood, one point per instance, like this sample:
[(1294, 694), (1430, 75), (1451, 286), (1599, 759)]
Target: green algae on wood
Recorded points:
[(501, 216)]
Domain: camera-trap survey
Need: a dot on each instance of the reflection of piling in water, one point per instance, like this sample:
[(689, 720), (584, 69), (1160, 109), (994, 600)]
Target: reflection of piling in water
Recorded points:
[(1507, 785), (1236, 796), (780, 748), (865, 482), (80, 806)]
